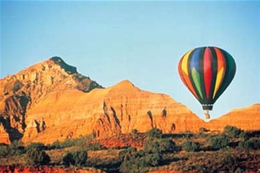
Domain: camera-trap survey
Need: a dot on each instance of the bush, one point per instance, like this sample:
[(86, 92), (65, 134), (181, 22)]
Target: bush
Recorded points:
[(80, 141), (37, 156), (38, 145), (190, 146), (140, 161), (14, 149), (233, 132), (152, 159), (219, 141), (4, 151), (94, 146), (154, 133), (159, 145), (77, 158), (251, 144), (129, 151)]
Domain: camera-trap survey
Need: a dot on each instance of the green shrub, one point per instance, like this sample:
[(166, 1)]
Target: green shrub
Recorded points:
[(251, 144), (152, 159), (39, 145), (138, 161), (55, 145), (14, 149), (219, 141), (129, 150), (77, 158), (230, 163), (80, 141), (94, 146), (233, 132), (4, 151), (37, 156), (159, 145), (154, 133), (190, 146)]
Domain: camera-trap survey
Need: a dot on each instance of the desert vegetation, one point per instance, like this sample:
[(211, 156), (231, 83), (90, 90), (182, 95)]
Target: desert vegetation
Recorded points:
[(232, 150)]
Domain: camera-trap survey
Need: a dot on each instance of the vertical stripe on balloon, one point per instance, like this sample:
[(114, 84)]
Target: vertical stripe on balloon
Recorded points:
[(221, 70), (196, 78), (184, 63), (207, 71), (194, 66), (183, 72)]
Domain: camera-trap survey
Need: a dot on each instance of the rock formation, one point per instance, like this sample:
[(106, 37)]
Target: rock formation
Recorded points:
[(246, 119), (51, 101), (107, 112), (21, 92)]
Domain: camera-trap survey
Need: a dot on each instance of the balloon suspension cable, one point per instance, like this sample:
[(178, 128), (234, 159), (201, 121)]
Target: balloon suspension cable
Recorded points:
[(207, 114)]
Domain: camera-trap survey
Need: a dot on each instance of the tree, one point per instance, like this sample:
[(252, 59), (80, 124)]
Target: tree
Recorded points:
[(190, 146), (154, 133), (37, 156), (77, 158), (233, 132), (219, 141), (159, 145)]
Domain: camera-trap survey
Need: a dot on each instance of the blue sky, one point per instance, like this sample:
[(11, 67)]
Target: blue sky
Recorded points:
[(138, 41)]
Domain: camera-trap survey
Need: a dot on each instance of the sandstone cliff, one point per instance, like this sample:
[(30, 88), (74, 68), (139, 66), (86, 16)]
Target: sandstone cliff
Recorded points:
[(21, 92), (106, 112), (51, 101), (246, 119)]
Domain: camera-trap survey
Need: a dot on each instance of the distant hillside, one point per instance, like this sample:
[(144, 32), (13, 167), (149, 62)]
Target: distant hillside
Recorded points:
[(245, 118)]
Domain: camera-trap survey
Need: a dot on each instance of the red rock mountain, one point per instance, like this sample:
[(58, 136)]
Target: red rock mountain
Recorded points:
[(50, 101), (21, 92), (247, 118)]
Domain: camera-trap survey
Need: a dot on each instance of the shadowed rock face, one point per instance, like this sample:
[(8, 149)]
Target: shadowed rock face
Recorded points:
[(51, 101)]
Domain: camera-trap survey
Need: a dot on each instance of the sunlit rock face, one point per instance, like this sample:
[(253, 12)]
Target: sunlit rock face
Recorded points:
[(51, 101), (21, 92), (247, 119), (107, 112)]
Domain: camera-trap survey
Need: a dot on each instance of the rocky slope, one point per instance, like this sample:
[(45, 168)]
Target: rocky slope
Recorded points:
[(21, 92), (247, 118), (107, 112), (51, 101)]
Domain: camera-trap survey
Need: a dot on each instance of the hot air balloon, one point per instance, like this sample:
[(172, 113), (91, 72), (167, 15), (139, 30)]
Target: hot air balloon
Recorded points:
[(207, 72)]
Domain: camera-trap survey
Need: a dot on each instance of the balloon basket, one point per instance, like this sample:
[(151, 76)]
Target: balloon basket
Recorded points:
[(207, 116)]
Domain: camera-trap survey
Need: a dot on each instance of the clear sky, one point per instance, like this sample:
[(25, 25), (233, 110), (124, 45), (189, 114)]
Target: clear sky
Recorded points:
[(138, 41)]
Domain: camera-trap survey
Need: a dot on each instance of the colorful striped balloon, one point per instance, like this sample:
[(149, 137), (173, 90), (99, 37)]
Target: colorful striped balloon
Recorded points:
[(207, 72)]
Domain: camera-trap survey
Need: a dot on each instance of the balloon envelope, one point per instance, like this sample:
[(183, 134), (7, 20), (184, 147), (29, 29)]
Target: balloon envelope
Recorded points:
[(207, 72)]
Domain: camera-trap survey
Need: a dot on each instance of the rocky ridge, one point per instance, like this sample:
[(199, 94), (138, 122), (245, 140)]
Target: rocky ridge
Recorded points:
[(246, 118), (51, 101), (21, 92), (107, 112)]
